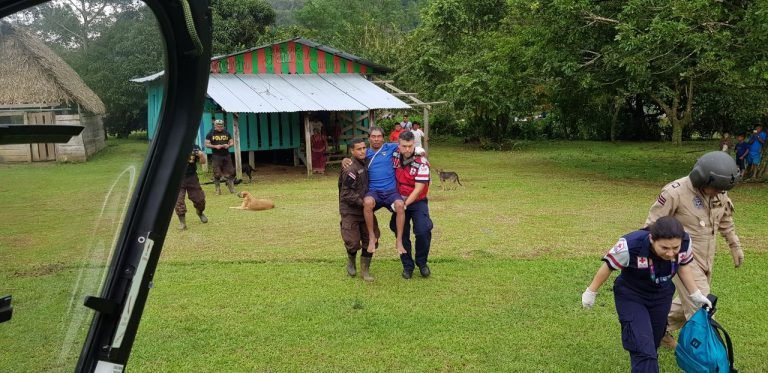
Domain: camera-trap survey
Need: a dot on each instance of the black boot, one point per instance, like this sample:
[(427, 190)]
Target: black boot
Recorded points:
[(231, 185), (365, 266), (202, 217), (351, 269), (183, 221), (217, 184)]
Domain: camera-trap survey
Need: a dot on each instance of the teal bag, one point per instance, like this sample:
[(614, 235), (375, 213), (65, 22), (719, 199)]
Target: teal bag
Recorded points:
[(700, 348)]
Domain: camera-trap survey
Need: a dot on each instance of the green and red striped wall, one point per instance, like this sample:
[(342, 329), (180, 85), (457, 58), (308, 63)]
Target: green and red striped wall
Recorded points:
[(289, 57)]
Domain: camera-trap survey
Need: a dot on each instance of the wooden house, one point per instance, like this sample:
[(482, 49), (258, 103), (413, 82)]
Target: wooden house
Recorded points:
[(38, 87), (271, 96)]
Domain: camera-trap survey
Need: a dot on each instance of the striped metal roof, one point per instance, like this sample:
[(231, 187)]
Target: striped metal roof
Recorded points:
[(245, 93)]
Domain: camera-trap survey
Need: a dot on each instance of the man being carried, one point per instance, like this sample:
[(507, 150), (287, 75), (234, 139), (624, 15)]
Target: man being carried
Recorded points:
[(382, 189)]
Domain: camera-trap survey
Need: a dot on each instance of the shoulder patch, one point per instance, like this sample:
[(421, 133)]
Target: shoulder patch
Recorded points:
[(675, 185)]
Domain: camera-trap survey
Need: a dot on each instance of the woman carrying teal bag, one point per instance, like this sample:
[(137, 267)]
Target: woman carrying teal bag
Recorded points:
[(648, 260)]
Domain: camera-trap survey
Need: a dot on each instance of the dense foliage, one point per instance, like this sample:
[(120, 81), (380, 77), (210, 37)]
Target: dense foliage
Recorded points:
[(635, 70)]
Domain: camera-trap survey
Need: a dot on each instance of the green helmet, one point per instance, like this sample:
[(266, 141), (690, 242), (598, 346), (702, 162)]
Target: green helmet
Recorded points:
[(715, 169)]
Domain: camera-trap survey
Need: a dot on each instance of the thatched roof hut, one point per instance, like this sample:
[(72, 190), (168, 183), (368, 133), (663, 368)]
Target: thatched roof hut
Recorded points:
[(46, 79), (38, 88)]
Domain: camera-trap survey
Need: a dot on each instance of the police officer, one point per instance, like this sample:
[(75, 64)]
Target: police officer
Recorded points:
[(353, 184), (220, 140), (412, 174), (190, 185), (700, 202), (648, 260)]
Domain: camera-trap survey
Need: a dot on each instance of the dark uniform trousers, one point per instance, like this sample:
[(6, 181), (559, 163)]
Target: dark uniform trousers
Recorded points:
[(222, 166), (418, 213), (355, 234), (190, 185), (643, 319)]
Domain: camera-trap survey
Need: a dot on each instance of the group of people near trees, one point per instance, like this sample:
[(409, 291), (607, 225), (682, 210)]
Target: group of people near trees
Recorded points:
[(748, 148), (679, 238)]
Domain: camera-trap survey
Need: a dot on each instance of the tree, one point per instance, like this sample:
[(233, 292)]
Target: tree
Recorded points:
[(73, 24), (132, 47), (239, 24)]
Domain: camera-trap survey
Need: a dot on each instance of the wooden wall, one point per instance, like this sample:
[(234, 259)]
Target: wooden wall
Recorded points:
[(81, 147), (78, 149), (15, 153)]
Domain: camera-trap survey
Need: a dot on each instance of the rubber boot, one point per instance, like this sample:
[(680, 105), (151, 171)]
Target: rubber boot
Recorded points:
[(231, 185), (365, 266), (217, 184), (351, 269), (183, 222), (203, 218)]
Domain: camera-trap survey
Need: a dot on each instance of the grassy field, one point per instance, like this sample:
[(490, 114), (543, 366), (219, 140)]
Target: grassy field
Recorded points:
[(512, 251)]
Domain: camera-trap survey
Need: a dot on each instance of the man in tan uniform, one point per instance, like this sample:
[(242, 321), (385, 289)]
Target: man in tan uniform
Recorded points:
[(700, 202)]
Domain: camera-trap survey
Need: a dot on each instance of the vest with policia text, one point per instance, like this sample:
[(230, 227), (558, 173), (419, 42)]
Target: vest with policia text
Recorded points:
[(641, 269), (219, 138)]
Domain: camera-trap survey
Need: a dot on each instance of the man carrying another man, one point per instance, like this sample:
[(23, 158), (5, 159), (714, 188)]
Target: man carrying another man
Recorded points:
[(353, 185), (412, 173)]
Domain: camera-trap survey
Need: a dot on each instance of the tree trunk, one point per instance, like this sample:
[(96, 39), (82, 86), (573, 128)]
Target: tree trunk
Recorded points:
[(678, 120), (615, 117)]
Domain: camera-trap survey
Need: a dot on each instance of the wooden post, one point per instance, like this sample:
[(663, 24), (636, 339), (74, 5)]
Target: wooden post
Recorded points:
[(371, 118), (252, 159), (425, 140), (238, 157), (308, 143)]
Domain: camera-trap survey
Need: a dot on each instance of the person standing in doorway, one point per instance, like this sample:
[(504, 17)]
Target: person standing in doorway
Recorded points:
[(319, 149)]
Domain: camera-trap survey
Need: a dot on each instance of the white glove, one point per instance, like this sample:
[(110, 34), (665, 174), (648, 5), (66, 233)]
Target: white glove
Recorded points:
[(588, 298), (700, 299), (419, 151)]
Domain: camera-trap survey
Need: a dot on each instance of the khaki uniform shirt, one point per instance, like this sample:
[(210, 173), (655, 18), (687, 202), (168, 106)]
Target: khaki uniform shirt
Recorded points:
[(702, 217), (353, 184)]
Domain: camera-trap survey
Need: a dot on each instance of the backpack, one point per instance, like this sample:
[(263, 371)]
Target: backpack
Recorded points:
[(700, 347)]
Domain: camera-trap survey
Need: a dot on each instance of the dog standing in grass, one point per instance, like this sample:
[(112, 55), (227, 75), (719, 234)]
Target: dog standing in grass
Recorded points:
[(448, 176), (252, 203)]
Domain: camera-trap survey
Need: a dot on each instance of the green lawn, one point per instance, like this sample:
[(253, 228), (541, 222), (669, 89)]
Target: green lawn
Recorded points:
[(512, 251)]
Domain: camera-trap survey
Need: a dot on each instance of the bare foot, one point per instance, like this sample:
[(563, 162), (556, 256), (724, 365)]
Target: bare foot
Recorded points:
[(400, 248)]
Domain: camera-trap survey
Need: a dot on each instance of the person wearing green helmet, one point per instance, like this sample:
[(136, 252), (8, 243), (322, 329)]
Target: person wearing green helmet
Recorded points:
[(700, 202)]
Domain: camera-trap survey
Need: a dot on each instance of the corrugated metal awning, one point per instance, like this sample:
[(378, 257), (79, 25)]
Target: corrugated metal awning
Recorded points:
[(298, 92)]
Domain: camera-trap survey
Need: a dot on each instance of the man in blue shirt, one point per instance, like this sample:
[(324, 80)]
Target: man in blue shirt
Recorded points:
[(742, 150), (382, 187), (755, 150)]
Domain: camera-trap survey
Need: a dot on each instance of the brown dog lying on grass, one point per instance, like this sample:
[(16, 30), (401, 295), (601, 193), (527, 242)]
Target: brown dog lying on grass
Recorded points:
[(252, 203)]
